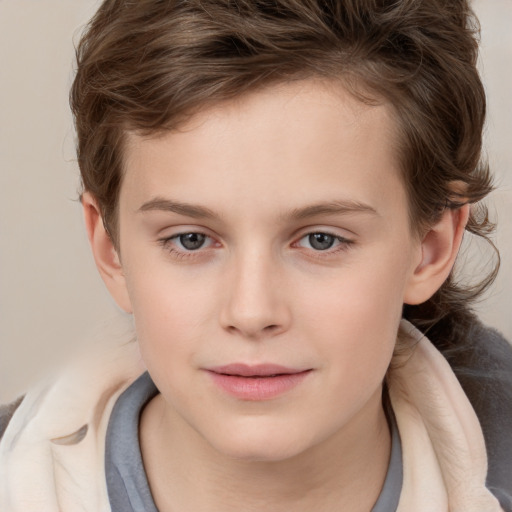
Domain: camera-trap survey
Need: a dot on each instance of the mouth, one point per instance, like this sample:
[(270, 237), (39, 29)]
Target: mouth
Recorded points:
[(255, 371), (257, 382)]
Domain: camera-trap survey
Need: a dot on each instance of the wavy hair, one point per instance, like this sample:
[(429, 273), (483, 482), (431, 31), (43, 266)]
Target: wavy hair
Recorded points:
[(146, 65)]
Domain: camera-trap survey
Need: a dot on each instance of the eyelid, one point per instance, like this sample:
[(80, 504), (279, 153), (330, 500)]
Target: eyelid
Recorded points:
[(168, 242), (339, 233), (344, 242), (189, 232), (207, 241)]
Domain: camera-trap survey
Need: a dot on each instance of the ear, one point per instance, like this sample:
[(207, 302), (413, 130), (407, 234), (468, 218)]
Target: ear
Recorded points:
[(439, 248), (105, 255)]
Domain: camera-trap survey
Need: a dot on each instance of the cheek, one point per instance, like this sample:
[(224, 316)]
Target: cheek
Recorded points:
[(355, 315), (357, 337), (363, 295), (171, 314)]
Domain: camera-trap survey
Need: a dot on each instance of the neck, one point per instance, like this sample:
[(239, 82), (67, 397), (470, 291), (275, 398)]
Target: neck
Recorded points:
[(345, 471)]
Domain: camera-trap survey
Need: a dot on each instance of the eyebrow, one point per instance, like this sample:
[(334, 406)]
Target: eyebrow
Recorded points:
[(314, 210), (332, 208), (186, 209)]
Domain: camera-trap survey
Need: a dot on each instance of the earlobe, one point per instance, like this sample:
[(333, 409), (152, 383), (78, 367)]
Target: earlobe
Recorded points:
[(439, 249), (105, 255)]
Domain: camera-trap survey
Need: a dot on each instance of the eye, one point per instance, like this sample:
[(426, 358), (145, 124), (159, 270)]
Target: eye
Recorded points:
[(322, 241), (187, 242), (191, 241)]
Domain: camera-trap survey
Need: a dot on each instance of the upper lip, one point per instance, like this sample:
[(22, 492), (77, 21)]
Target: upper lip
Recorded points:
[(257, 370)]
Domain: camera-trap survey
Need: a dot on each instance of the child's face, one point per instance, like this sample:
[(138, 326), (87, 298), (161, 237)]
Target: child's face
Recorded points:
[(251, 182)]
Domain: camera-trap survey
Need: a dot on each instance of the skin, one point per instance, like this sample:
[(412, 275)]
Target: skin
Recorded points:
[(262, 173)]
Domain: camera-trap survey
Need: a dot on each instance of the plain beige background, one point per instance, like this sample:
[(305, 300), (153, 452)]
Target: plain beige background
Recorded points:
[(51, 299)]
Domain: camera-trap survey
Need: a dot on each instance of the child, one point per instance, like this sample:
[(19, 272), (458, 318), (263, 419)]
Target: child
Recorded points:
[(277, 192)]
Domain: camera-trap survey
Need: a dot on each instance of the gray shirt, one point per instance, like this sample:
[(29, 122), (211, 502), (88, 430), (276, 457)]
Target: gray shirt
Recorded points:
[(127, 484)]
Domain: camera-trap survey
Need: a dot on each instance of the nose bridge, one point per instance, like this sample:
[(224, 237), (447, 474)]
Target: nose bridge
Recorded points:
[(255, 305)]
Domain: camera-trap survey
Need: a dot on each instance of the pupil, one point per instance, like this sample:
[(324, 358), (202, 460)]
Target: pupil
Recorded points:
[(192, 241), (321, 241)]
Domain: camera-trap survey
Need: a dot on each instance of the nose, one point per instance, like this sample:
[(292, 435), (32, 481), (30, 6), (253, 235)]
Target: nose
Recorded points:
[(254, 304)]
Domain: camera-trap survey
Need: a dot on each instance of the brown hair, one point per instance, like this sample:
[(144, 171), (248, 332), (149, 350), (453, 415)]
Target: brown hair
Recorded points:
[(145, 65)]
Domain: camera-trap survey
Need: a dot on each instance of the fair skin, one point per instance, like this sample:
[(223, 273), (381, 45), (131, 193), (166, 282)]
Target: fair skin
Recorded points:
[(303, 257)]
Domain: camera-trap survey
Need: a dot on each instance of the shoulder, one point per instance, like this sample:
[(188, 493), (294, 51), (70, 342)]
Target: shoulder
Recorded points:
[(6, 413), (483, 365), (484, 369), (488, 343)]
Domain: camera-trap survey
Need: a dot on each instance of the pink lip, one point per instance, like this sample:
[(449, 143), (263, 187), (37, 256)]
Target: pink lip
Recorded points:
[(258, 382)]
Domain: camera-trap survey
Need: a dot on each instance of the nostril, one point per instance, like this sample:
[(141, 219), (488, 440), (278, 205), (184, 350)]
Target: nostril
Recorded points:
[(252, 331)]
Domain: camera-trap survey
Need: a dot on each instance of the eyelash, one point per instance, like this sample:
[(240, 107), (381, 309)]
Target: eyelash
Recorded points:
[(343, 245), (180, 254)]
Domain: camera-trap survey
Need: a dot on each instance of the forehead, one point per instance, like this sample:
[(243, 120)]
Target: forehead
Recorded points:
[(294, 142)]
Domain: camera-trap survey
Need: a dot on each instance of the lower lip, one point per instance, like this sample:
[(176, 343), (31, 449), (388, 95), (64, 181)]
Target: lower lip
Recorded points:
[(258, 388)]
